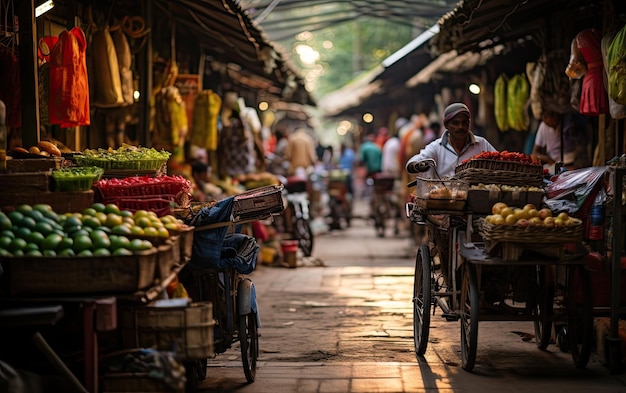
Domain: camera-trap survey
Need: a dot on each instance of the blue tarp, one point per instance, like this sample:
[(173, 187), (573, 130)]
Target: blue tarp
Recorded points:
[(207, 244)]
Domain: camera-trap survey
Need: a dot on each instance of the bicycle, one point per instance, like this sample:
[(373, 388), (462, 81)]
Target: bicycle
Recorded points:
[(297, 214)]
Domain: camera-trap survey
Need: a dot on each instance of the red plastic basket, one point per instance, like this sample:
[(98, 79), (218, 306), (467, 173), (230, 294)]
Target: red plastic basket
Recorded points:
[(146, 186), (160, 204)]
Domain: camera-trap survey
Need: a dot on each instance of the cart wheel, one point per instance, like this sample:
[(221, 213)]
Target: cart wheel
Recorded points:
[(195, 371), (304, 234), (249, 343), (469, 317), (580, 317), (543, 308), (422, 300)]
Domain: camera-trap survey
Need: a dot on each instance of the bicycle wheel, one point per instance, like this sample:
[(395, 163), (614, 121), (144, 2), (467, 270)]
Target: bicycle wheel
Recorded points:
[(249, 343), (422, 299), (304, 235), (469, 317), (544, 307), (580, 317)]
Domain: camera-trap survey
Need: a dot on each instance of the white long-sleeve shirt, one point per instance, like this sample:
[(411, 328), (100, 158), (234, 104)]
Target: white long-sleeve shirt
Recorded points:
[(446, 157)]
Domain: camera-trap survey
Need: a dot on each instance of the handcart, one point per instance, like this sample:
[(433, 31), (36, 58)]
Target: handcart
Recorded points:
[(473, 273), (218, 272), (385, 205)]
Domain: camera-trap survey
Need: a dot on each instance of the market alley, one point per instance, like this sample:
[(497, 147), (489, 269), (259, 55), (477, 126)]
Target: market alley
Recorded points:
[(346, 326)]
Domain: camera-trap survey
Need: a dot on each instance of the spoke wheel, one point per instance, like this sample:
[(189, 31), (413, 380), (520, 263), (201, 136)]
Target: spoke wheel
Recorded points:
[(304, 235), (249, 343), (422, 299), (544, 307), (580, 317), (469, 317)]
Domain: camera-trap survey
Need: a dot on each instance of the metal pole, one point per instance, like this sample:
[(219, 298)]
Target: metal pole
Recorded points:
[(29, 76)]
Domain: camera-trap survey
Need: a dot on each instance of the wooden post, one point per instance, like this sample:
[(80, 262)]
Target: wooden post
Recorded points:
[(145, 81), (29, 76)]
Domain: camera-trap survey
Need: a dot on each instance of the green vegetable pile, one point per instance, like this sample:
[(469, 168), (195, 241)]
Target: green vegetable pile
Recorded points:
[(77, 178), (125, 157)]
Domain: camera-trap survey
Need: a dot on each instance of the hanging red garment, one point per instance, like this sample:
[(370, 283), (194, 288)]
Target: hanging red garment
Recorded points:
[(10, 87), (69, 86), (593, 101)]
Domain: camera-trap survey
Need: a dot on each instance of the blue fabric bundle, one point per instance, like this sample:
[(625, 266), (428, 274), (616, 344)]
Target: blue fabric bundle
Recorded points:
[(239, 251), (207, 244)]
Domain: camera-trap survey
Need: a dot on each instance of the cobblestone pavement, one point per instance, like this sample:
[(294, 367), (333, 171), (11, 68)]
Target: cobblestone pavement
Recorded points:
[(346, 326)]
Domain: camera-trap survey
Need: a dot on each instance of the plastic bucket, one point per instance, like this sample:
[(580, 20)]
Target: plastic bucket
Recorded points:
[(268, 254), (289, 249)]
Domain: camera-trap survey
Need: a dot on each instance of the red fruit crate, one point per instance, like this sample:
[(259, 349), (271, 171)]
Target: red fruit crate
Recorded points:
[(141, 186)]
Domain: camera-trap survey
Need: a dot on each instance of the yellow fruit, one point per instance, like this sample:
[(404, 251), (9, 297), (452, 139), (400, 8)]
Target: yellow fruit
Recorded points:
[(563, 216), (559, 222), (143, 222), (545, 213), (520, 214), (499, 220), (529, 206), (535, 221), (150, 231), (163, 232), (112, 220), (497, 207), (507, 211), (510, 219), (548, 221), (533, 213)]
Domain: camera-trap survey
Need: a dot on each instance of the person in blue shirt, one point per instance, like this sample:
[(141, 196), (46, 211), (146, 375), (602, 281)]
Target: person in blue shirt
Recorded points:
[(346, 163)]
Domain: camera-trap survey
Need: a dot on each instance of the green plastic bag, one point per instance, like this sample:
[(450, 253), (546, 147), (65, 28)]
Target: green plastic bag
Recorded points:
[(616, 57)]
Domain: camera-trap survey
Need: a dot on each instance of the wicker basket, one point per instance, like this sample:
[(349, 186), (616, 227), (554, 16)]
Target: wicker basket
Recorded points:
[(259, 202), (490, 176), (496, 165), (429, 194), (531, 233)]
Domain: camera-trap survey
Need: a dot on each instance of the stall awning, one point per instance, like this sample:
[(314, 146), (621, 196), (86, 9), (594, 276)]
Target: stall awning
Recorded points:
[(478, 24), (226, 33)]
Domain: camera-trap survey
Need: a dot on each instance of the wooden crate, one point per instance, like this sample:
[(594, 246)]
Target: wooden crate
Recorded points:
[(168, 256), (34, 164), (25, 182), (80, 275), (187, 331), (61, 202)]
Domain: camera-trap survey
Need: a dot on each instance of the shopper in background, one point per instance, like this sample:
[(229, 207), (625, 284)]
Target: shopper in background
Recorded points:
[(346, 162), (562, 138), (300, 152), (370, 155)]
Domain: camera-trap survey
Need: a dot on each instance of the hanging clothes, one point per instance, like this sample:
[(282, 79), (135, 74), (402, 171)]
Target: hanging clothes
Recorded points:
[(207, 107), (105, 70), (10, 91), (593, 100), (124, 62), (69, 86), (233, 148)]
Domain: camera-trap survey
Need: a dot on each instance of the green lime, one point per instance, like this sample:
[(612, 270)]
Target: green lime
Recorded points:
[(52, 216), (28, 222), (66, 243), (72, 221), (17, 244), (118, 242), (100, 239), (80, 232), (35, 215), (68, 252), (98, 207), (112, 208), (21, 232), (5, 242), (24, 209), (31, 247), (121, 230), (82, 242), (5, 221), (15, 217), (91, 222), (7, 233), (122, 251), (104, 229), (33, 253), (51, 242), (126, 213), (35, 237), (18, 253), (85, 253), (42, 207), (44, 228), (49, 253), (101, 252), (89, 212), (4, 253)]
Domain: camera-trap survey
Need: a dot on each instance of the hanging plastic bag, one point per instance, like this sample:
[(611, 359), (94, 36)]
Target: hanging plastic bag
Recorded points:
[(517, 96), (499, 103), (616, 56)]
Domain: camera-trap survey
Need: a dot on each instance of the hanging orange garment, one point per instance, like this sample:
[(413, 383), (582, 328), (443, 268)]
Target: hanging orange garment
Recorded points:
[(69, 86)]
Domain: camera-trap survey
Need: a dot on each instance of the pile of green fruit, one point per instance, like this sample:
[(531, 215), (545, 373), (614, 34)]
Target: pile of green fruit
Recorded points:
[(100, 230)]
